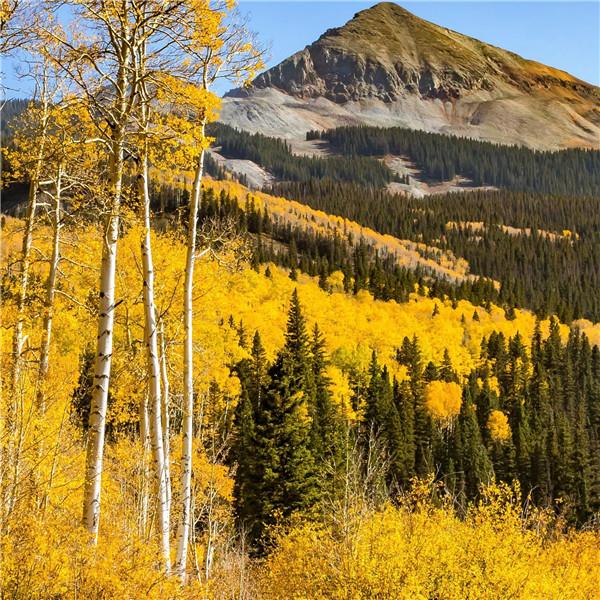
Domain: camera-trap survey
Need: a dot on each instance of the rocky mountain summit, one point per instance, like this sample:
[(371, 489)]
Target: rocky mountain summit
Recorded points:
[(388, 67)]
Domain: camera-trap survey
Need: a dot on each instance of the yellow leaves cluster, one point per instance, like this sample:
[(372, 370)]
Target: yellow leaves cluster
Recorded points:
[(430, 552), (177, 135), (443, 400), (498, 426), (341, 393), (336, 281)]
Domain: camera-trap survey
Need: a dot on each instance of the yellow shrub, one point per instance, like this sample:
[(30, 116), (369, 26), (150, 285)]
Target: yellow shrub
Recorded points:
[(410, 554)]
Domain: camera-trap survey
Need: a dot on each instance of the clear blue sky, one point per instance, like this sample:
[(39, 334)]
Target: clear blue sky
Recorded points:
[(565, 35)]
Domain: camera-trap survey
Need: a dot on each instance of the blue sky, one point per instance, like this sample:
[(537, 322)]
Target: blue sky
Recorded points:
[(565, 35)]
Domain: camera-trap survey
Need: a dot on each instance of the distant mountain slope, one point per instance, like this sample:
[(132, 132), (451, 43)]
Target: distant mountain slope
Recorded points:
[(388, 67)]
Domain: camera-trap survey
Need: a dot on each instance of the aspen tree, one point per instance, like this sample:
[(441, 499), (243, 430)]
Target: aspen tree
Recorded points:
[(27, 162), (214, 46), (67, 163), (102, 66), (166, 424), (151, 325), (145, 479), (16, 18), (43, 99)]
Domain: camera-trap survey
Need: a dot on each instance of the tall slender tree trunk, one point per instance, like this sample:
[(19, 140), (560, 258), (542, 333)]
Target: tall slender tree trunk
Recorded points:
[(50, 294), (183, 532), (125, 93), (10, 440), (144, 487), (102, 369), (154, 371), (166, 424), (17, 341)]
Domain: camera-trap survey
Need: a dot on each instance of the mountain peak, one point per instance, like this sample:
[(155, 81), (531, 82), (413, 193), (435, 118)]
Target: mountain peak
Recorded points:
[(387, 54)]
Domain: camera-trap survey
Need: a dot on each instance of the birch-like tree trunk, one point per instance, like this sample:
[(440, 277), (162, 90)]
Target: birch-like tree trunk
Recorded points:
[(166, 424), (102, 368), (123, 38), (50, 293), (183, 532), (144, 487), (154, 371), (17, 341), (10, 439)]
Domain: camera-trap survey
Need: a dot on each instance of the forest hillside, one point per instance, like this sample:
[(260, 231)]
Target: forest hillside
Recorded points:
[(319, 386), (233, 303)]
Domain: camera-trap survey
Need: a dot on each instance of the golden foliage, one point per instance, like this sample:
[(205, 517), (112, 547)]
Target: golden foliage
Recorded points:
[(498, 426), (422, 550), (443, 400), (44, 551)]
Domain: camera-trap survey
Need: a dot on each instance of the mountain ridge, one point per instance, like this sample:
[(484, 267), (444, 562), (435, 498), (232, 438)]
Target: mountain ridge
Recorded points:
[(388, 67)]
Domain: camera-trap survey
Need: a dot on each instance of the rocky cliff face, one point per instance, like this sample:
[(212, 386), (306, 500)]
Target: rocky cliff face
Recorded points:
[(340, 76), (377, 55), (445, 80)]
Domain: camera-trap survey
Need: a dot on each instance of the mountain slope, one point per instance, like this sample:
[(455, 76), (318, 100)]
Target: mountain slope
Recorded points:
[(388, 67)]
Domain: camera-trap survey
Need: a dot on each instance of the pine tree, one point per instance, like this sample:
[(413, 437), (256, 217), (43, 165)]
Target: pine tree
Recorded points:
[(327, 429), (410, 356), (284, 475), (405, 462), (382, 419), (446, 371), (247, 450), (472, 457)]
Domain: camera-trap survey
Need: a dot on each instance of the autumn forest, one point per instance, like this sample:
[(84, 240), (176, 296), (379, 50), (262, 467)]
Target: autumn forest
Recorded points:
[(321, 386)]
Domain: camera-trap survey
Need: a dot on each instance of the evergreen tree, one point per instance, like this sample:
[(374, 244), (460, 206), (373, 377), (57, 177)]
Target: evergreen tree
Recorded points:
[(327, 432), (283, 468), (471, 457), (249, 449)]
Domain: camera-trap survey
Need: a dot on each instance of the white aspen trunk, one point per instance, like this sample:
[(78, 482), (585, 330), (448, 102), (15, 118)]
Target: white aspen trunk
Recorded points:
[(124, 93), (102, 369), (17, 341), (166, 424), (210, 546), (154, 372), (145, 442), (10, 440), (183, 532), (50, 294), (9, 459)]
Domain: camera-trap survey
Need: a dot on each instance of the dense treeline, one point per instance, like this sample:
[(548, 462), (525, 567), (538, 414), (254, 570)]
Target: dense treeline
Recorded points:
[(276, 157), (530, 414), (16, 193), (550, 274), (11, 109), (441, 157), (321, 255)]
